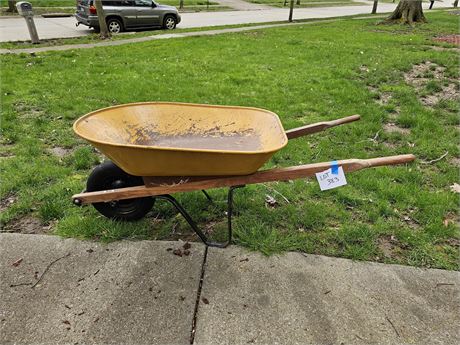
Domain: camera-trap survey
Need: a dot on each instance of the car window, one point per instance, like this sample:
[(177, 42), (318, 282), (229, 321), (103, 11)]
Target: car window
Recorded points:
[(146, 3), (118, 2)]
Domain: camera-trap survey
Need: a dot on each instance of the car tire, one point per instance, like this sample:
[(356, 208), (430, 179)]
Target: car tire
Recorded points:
[(169, 22), (114, 25)]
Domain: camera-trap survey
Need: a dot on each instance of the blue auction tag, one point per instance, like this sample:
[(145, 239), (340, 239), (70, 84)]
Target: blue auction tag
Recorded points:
[(334, 168)]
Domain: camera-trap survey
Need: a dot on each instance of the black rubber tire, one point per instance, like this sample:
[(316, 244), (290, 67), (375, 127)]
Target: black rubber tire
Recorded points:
[(167, 18), (117, 21), (109, 176)]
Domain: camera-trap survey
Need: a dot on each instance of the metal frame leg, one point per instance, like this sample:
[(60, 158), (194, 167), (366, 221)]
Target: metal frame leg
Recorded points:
[(193, 225), (207, 195)]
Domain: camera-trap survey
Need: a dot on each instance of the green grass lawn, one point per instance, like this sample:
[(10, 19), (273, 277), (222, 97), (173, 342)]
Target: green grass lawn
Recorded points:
[(405, 214)]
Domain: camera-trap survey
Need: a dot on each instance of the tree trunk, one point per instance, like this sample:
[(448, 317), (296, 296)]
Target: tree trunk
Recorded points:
[(12, 6), (104, 33), (455, 3), (181, 4), (374, 7), (408, 12), (298, 3), (291, 10)]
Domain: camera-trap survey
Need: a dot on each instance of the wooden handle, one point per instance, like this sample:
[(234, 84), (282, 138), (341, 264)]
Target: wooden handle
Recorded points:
[(188, 184), (350, 165), (319, 126), (391, 160)]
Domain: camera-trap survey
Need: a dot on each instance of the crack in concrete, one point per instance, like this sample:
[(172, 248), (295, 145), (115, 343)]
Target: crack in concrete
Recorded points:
[(198, 297)]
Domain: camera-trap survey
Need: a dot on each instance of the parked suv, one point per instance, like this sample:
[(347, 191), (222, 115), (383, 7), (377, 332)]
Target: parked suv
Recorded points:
[(128, 14)]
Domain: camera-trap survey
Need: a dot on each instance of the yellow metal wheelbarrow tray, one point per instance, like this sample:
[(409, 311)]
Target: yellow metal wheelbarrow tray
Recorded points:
[(177, 139), (160, 148)]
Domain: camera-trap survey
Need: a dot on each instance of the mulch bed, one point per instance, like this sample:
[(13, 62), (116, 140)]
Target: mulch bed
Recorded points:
[(454, 39)]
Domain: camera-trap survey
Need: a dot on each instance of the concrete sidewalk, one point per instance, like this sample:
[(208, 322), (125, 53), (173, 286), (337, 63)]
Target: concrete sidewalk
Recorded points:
[(123, 293), (56, 291)]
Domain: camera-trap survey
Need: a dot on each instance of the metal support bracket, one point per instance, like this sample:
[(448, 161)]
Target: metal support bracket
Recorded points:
[(207, 195), (192, 223)]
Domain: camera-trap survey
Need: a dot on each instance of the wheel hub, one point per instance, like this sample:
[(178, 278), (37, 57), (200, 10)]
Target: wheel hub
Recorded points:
[(114, 27)]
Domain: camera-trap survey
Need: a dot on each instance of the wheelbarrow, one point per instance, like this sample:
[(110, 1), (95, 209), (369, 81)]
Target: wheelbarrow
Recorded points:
[(159, 148)]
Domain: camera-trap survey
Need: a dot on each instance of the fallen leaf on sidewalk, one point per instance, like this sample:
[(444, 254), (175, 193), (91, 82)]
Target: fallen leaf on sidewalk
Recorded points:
[(17, 262), (177, 252), (205, 300), (187, 245)]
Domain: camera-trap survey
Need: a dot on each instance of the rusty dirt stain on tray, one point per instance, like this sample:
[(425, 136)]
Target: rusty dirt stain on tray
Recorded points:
[(212, 139)]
